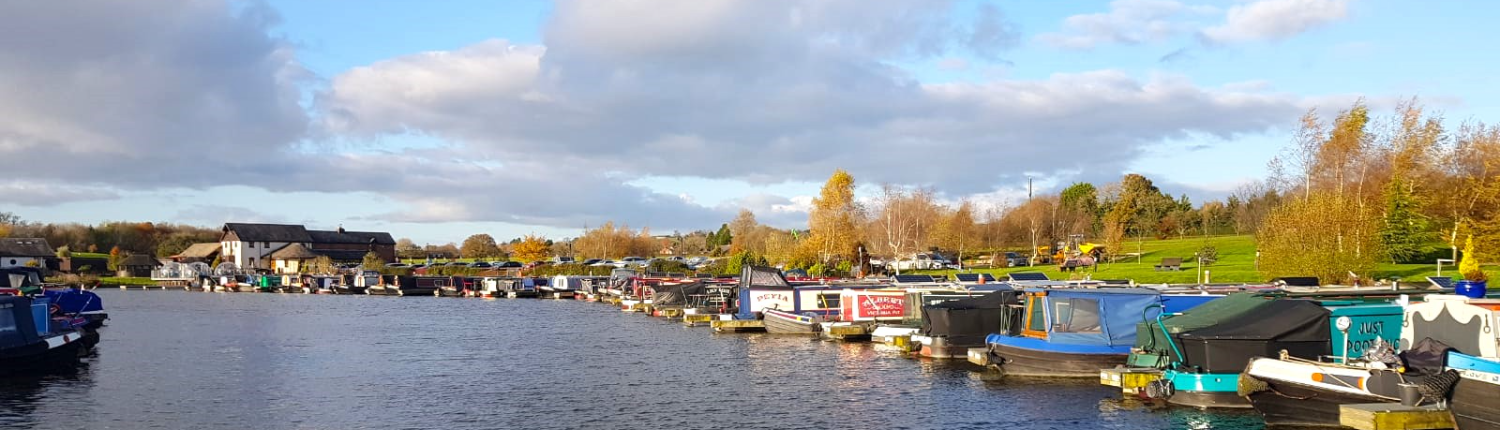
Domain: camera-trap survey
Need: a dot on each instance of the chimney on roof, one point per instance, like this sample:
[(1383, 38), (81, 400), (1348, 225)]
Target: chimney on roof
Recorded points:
[(341, 229)]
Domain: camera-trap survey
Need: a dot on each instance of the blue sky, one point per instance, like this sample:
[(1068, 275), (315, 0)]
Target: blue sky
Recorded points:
[(435, 120)]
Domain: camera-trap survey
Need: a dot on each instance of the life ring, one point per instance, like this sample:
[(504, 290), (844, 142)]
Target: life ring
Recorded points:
[(54, 309)]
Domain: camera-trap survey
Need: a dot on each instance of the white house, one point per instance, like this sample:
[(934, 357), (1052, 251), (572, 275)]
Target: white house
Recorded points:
[(22, 252), (250, 245)]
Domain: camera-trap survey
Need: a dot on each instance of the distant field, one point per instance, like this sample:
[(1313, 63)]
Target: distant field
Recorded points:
[(1236, 263)]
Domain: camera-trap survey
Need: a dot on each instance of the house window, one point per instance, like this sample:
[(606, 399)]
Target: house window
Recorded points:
[(12, 261), (252, 244), (266, 245)]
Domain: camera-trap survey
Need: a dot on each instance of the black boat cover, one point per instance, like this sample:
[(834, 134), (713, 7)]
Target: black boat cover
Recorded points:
[(17, 324), (1300, 327), (968, 321), (677, 295), (1427, 357)]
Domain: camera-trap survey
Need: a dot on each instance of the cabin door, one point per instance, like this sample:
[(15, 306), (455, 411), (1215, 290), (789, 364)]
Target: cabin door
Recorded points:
[(1036, 316)]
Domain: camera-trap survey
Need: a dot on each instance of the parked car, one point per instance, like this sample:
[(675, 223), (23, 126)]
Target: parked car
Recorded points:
[(418, 266), (920, 261), (397, 265), (456, 264), (1016, 260), (511, 265), (602, 263), (631, 261), (591, 261), (563, 260), (480, 265)]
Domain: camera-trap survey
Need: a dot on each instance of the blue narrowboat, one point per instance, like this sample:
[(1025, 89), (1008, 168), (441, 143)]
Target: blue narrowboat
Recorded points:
[(1073, 333)]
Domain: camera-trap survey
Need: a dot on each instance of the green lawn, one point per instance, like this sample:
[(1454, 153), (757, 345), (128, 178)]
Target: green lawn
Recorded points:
[(90, 255), (116, 281), (1236, 263)]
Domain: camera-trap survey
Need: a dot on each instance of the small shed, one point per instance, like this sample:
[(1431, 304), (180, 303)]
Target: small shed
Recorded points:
[(292, 258), (139, 265)]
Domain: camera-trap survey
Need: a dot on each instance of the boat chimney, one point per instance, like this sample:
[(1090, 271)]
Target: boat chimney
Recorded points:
[(341, 229)]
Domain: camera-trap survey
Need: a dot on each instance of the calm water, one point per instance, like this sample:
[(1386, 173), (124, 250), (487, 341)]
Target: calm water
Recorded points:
[(172, 359)]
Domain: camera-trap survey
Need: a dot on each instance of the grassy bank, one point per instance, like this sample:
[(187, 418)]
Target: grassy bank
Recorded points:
[(1236, 263), (114, 281)]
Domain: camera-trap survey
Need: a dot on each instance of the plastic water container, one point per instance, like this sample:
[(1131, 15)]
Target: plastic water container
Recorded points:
[(41, 315)]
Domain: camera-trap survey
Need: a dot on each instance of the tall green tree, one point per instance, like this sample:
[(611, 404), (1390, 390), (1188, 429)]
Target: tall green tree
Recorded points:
[(1403, 230)]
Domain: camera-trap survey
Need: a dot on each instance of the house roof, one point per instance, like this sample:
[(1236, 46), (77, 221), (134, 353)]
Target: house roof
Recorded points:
[(342, 255), (25, 247), (200, 250), (293, 251), (139, 260), (351, 237), (268, 232)]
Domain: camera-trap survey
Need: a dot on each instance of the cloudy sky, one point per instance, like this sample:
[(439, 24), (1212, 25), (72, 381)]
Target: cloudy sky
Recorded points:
[(435, 120)]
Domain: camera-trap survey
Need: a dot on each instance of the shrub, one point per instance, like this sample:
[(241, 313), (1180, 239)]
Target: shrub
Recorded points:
[(668, 266), (1208, 254)]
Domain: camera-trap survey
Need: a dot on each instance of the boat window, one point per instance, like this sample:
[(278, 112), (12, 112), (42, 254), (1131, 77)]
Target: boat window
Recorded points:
[(1036, 319), (1076, 315), (828, 300)]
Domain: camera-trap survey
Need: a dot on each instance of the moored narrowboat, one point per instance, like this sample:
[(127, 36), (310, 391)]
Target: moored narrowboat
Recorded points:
[(359, 283), (1300, 392), (31, 341), (419, 285), (950, 327), (1073, 333)]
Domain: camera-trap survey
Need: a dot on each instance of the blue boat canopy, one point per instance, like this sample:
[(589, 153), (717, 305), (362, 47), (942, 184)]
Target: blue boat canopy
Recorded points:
[(75, 301), (1104, 317)]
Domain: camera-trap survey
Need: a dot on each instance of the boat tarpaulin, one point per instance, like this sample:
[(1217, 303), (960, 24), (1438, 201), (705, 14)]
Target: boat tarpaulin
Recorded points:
[(1100, 317), (75, 301), (1300, 327), (1149, 340), (677, 294), (968, 321)]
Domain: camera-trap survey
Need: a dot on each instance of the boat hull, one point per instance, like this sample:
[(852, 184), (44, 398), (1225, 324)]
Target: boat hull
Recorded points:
[(1027, 362), (1474, 406), (787, 323), (1205, 390), (55, 353), (416, 291), (444, 292), (1291, 404), (349, 290)]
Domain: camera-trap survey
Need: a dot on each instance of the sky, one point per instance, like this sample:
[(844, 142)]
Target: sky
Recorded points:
[(437, 120)]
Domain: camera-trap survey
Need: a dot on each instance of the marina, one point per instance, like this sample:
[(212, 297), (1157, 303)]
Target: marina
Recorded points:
[(1138, 350)]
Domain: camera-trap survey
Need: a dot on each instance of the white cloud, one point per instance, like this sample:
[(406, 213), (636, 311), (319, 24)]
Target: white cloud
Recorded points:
[(33, 193), (758, 91), (1275, 19), (145, 93), (1127, 22)]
